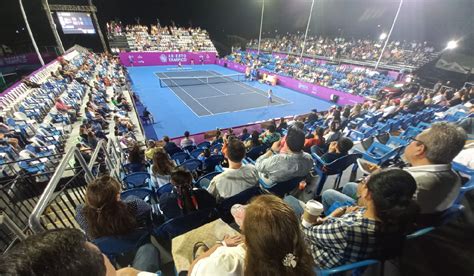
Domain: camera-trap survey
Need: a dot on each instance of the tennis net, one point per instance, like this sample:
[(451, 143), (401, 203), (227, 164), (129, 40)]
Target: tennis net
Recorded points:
[(200, 80)]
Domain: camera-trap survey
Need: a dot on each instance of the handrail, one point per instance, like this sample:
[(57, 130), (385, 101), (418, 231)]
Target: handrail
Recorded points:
[(101, 145), (6, 220), (34, 219)]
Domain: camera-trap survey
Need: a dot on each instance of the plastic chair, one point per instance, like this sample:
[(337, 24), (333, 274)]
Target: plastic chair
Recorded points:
[(136, 180), (463, 169), (195, 153), (180, 157), (243, 197), (116, 246), (357, 268), (180, 225), (167, 188), (410, 132), (189, 148), (469, 186), (204, 145), (337, 167), (192, 165), (217, 146), (141, 193), (380, 153), (32, 168), (420, 232), (282, 188), (134, 167), (255, 152), (204, 181)]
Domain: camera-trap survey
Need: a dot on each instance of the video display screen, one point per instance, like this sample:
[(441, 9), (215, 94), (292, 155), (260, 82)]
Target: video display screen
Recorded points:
[(76, 23)]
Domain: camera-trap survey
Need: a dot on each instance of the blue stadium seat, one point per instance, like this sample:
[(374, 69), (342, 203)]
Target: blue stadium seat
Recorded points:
[(243, 197), (136, 180), (337, 167), (255, 152), (180, 157), (192, 165), (203, 181), (180, 225), (281, 188), (211, 162), (141, 193), (357, 268)]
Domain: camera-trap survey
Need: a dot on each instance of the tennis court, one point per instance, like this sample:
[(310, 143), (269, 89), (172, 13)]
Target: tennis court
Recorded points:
[(207, 93)]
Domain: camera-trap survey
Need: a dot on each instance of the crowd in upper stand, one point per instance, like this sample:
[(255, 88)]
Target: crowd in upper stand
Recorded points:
[(164, 39), (347, 78), (402, 53)]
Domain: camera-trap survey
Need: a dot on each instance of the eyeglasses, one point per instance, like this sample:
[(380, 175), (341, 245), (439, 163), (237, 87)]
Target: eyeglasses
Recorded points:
[(413, 139)]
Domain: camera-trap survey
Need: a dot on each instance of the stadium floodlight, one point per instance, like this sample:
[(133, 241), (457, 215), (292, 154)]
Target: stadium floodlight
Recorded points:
[(307, 28), (383, 36), (261, 25), (389, 34), (30, 33), (452, 44)]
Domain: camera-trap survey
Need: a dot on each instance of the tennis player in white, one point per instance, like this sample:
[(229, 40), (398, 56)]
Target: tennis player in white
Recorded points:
[(270, 96)]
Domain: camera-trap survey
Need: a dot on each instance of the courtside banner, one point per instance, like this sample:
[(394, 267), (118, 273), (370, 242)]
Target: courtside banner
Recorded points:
[(166, 58)]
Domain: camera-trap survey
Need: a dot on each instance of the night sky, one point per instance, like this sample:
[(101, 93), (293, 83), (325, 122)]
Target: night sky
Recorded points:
[(425, 20)]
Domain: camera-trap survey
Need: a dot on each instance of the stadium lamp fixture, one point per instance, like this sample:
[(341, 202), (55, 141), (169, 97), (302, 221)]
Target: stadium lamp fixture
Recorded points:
[(383, 36), (452, 44)]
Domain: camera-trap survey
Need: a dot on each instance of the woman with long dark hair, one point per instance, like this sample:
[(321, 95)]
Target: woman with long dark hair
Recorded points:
[(273, 244), (160, 171), (375, 228), (105, 214)]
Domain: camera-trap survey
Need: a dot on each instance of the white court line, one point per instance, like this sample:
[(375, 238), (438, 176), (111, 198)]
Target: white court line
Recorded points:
[(220, 91), (189, 96), (217, 96), (247, 109), (248, 87)]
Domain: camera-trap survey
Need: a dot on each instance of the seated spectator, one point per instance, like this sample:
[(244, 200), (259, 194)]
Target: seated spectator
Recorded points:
[(274, 167), (105, 214), (217, 139), (63, 108), (151, 149), (283, 146), (29, 83), (333, 133), (270, 135), (466, 156), (376, 228), (60, 252), (314, 139), (204, 155), (337, 149), (146, 116), (283, 125), (237, 177), (245, 135), (254, 141), (136, 156), (281, 251), (430, 155), (92, 139), (124, 122), (468, 123), (170, 147), (184, 199), (160, 171), (186, 141)]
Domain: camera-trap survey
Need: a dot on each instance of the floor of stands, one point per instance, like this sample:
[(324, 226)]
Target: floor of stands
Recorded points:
[(172, 116)]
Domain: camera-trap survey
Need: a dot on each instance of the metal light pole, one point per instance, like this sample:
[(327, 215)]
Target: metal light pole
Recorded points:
[(53, 26), (307, 28), (261, 25), (389, 34), (99, 30), (30, 33)]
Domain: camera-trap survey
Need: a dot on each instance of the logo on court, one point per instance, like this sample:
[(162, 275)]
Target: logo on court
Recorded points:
[(163, 58)]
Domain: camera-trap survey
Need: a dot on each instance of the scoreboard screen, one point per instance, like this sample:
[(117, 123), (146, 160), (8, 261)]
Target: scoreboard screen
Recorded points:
[(76, 23)]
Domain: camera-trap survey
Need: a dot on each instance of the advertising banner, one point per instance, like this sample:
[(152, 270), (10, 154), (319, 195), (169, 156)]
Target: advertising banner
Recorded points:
[(166, 58)]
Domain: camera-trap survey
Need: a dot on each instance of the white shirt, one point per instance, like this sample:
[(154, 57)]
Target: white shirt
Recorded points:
[(159, 180), (233, 181), (225, 261), (466, 156)]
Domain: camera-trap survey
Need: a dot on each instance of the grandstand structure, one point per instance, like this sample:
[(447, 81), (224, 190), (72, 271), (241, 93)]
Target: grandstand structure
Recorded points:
[(85, 115)]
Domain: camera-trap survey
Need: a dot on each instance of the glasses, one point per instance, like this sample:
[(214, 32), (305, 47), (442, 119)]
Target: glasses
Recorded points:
[(413, 139)]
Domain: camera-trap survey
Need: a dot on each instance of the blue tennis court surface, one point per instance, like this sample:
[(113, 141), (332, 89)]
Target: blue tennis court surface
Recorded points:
[(221, 94), (181, 106)]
